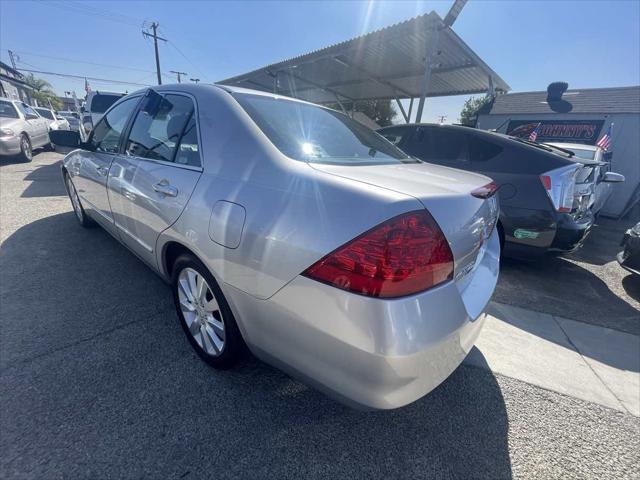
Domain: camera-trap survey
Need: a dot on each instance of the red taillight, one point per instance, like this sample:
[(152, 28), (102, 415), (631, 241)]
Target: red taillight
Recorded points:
[(486, 191), (402, 256)]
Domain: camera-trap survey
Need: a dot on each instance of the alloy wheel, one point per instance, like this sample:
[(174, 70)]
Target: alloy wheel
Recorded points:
[(25, 148), (201, 312)]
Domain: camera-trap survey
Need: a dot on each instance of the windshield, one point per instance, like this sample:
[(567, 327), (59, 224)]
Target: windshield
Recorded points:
[(319, 135), (7, 110), (45, 113), (100, 102), (586, 154)]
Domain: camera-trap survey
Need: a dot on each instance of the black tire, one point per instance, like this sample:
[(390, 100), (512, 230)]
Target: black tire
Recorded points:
[(233, 349), (78, 209), (26, 150)]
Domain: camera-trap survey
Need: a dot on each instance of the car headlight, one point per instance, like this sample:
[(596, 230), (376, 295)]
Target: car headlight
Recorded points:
[(6, 132)]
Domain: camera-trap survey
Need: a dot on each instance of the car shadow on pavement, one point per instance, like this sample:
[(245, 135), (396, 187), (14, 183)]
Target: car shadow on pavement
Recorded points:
[(46, 181), (557, 286), (104, 383)]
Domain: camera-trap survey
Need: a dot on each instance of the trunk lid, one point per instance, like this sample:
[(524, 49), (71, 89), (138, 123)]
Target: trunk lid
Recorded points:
[(466, 221)]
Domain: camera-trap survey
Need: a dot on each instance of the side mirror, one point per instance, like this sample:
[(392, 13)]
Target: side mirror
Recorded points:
[(65, 138), (613, 177), (30, 116)]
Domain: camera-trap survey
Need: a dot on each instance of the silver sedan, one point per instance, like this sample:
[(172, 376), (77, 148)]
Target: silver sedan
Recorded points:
[(295, 231)]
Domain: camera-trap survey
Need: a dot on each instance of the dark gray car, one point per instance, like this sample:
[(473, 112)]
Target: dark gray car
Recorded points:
[(537, 183)]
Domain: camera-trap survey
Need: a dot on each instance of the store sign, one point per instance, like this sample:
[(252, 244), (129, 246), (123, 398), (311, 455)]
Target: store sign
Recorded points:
[(572, 131)]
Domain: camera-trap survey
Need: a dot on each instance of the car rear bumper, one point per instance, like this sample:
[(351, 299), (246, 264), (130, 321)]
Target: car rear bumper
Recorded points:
[(571, 233), (535, 232), (367, 352), (9, 145)]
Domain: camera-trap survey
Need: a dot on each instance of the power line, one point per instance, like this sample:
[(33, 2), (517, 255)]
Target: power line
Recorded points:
[(82, 77), (82, 61), (94, 12)]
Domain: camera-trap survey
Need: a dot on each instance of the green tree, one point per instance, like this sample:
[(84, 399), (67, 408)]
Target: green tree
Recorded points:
[(42, 92), (380, 111), (471, 108)]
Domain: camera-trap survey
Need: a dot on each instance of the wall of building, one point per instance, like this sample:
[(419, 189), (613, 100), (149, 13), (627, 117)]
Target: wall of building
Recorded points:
[(625, 147)]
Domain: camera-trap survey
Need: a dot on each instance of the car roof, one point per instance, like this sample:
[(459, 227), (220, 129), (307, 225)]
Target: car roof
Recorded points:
[(196, 89)]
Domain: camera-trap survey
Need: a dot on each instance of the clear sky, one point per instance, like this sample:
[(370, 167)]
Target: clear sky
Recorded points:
[(529, 43)]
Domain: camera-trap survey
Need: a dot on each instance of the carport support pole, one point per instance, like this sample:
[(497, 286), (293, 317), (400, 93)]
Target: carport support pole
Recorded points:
[(432, 43), (404, 114), (410, 109)]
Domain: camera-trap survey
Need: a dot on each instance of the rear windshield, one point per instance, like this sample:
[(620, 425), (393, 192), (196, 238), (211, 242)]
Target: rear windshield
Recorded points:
[(586, 154), (7, 110), (319, 135), (101, 102), (45, 113)]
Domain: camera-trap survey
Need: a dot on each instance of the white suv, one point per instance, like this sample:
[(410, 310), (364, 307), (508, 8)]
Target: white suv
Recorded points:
[(95, 105)]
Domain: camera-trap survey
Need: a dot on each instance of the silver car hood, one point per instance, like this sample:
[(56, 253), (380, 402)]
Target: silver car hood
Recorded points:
[(466, 221)]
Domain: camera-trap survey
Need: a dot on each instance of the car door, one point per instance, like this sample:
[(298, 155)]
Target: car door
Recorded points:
[(93, 163), (151, 182), (29, 127)]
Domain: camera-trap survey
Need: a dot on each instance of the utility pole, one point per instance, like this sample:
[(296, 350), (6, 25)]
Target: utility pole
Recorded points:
[(195, 80), (441, 119), (178, 73), (154, 27), (13, 60)]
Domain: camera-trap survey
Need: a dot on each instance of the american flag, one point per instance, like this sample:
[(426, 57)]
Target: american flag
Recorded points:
[(605, 141), (534, 135)]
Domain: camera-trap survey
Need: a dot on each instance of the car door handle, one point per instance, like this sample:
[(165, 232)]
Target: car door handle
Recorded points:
[(164, 188), (102, 171)]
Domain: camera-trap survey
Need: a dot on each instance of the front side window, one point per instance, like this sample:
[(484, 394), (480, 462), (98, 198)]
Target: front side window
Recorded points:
[(169, 134), (315, 134), (105, 137), (45, 113), (7, 110)]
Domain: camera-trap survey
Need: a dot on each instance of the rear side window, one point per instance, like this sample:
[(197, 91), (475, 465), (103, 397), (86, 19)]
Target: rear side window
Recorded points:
[(169, 135), (45, 113), (439, 145), (106, 136), (481, 150)]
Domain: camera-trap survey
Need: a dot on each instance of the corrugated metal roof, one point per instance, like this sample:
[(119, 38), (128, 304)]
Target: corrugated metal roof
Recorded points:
[(587, 100), (386, 63)]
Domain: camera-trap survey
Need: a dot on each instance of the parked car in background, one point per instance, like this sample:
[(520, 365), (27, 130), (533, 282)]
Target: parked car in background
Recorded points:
[(55, 122), (297, 230), (594, 183), (95, 105), (629, 257), (21, 129), (72, 118), (537, 183)]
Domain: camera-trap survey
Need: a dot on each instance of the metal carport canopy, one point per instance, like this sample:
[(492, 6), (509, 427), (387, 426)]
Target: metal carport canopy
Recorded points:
[(391, 63)]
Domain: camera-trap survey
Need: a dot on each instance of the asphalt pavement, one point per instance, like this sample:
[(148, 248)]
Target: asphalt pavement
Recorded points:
[(98, 381)]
